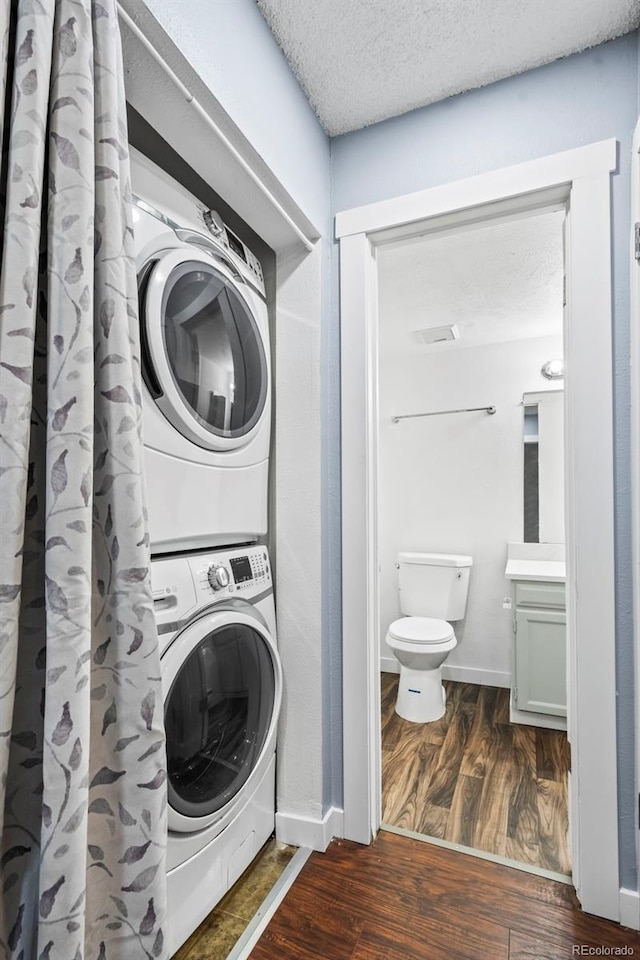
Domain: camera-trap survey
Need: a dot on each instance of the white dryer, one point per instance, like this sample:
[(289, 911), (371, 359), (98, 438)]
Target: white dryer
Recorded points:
[(222, 689), (206, 369)]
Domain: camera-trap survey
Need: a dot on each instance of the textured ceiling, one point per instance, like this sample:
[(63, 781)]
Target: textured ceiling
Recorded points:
[(360, 61), (497, 283)]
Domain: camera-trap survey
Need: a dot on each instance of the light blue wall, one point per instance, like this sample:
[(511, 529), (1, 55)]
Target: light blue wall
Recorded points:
[(230, 46), (569, 103), (576, 101)]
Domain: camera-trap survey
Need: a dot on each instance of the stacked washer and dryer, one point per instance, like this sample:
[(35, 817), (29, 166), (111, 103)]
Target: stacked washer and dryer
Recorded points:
[(207, 418)]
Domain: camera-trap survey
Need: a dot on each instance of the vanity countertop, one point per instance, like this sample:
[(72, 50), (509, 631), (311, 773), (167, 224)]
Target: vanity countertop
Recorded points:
[(549, 571)]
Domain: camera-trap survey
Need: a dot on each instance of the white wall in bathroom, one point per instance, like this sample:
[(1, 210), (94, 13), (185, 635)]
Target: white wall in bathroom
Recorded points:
[(453, 484)]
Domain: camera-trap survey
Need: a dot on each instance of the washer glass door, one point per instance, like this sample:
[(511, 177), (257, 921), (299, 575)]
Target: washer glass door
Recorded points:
[(218, 713), (206, 352)]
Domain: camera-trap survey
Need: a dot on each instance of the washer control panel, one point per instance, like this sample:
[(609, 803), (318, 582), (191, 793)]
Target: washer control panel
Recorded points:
[(250, 570), (237, 570), (215, 225), (184, 583)]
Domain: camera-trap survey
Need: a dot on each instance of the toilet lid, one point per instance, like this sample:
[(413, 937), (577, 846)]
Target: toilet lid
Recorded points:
[(421, 630)]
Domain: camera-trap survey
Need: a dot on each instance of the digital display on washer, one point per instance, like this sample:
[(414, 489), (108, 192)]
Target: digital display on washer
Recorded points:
[(236, 246), (241, 569)]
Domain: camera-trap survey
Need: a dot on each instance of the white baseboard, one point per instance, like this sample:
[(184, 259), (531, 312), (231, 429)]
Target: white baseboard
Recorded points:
[(389, 665), (309, 832), (484, 678), (630, 908)]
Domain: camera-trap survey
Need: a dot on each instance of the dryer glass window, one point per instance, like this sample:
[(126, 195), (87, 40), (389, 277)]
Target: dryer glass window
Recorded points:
[(217, 718), (214, 349)]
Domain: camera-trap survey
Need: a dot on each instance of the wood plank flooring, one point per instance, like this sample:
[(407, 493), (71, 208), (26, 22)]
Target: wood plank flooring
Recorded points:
[(400, 899), (475, 778)]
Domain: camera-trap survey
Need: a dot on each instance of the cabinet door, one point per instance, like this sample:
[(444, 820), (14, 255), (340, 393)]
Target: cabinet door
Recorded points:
[(541, 661)]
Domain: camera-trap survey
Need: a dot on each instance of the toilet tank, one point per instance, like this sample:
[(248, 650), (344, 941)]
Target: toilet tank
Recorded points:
[(433, 585)]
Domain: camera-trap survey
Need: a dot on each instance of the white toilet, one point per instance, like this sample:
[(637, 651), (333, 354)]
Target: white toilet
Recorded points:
[(433, 590)]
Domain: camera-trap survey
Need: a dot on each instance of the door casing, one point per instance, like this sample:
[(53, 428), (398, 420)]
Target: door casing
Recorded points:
[(578, 181)]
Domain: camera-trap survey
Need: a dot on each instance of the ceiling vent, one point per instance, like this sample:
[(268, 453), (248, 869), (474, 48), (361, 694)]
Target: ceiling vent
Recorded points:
[(437, 334)]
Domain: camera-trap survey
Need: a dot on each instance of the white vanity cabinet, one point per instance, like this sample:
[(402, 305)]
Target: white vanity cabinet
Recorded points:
[(540, 649)]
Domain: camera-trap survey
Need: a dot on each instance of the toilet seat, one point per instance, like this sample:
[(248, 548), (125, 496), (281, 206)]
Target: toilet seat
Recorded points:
[(425, 630)]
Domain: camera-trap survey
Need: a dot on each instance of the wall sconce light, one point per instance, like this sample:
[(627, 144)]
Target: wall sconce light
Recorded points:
[(553, 369)]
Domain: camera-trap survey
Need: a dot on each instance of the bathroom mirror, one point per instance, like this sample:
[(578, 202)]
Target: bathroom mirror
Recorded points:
[(543, 475)]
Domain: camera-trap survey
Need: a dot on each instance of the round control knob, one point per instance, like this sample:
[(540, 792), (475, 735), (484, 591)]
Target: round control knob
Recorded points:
[(213, 222), (218, 576)]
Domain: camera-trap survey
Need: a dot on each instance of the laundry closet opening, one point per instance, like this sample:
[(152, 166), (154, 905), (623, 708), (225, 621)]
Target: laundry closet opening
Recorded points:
[(470, 515), (207, 414)]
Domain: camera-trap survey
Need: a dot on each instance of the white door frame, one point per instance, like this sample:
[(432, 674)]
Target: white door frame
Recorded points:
[(581, 179), (635, 471)]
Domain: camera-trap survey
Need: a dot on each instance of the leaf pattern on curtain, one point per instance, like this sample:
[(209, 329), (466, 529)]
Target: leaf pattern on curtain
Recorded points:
[(82, 750)]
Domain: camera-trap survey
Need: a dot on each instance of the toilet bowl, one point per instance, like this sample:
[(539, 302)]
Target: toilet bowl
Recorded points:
[(421, 645), (433, 590)]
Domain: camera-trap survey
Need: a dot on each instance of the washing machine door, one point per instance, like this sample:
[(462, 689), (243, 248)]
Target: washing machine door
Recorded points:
[(222, 683), (205, 361)]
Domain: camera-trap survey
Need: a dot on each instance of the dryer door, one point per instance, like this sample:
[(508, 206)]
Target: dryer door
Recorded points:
[(205, 361), (222, 683)]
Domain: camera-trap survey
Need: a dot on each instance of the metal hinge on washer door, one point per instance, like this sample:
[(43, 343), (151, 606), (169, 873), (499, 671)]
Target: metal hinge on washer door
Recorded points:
[(636, 236)]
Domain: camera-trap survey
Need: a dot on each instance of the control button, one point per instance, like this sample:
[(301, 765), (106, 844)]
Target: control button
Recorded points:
[(218, 576)]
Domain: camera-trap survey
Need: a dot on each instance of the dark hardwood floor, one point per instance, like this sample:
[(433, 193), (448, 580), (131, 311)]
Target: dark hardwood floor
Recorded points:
[(475, 778), (400, 899)]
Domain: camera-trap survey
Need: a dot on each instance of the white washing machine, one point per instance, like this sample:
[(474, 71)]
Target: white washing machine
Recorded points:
[(206, 369), (222, 688)]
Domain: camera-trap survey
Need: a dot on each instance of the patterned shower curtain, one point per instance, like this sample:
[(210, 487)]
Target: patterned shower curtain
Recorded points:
[(82, 752)]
